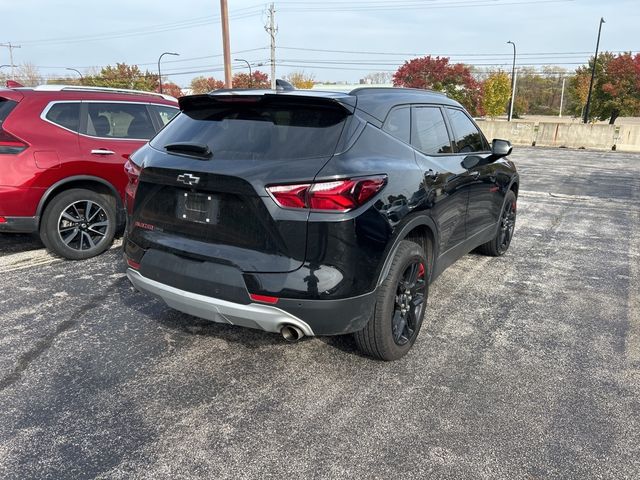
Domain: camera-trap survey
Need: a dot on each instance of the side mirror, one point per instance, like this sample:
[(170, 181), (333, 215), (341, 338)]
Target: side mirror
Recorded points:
[(500, 148)]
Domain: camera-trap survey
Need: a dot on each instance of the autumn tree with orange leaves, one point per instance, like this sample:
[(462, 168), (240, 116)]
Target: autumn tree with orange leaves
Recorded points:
[(436, 73)]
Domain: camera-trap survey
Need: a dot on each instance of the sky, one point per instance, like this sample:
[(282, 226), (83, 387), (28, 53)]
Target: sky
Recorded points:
[(316, 37)]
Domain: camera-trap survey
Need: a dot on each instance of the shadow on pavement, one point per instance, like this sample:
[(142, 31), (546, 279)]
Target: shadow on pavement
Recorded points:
[(18, 242)]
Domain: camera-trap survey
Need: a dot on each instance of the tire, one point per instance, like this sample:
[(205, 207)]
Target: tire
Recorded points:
[(79, 224), (390, 334), (499, 245)]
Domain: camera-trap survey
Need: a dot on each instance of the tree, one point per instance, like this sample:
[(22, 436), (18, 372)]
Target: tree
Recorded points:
[(301, 80), (438, 74), (28, 75), (619, 88), (377, 78), (205, 84), (172, 89), (258, 80), (124, 76), (496, 91)]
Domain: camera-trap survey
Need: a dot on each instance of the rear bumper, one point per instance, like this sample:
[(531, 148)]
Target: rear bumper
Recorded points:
[(19, 224), (313, 317), (253, 315)]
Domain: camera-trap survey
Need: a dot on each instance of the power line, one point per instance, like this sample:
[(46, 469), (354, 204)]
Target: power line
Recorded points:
[(246, 12), (385, 6)]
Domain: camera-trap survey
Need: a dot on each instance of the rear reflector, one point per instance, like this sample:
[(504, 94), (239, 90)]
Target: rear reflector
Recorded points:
[(334, 196), (3, 220), (263, 298), (132, 264)]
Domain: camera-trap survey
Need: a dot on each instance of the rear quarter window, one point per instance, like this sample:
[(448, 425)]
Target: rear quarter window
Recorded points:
[(6, 106)]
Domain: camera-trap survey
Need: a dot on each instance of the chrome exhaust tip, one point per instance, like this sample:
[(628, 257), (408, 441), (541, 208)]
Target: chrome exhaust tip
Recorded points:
[(291, 333)]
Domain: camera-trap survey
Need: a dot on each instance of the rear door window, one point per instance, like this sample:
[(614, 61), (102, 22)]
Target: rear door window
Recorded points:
[(119, 120), (467, 136), (252, 131), (65, 114), (429, 132)]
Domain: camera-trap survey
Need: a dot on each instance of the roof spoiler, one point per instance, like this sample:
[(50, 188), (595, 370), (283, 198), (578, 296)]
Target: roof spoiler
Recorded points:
[(197, 102)]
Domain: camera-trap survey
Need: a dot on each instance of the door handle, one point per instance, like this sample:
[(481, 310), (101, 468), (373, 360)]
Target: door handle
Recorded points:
[(102, 151)]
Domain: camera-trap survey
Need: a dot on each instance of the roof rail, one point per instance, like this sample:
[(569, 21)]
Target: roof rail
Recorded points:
[(83, 88), (394, 89)]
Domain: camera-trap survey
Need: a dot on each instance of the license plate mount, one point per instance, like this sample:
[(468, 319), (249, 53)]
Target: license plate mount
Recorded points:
[(198, 207)]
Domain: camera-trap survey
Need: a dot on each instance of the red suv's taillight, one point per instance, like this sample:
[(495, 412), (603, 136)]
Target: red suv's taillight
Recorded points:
[(10, 144), (133, 173), (336, 196)]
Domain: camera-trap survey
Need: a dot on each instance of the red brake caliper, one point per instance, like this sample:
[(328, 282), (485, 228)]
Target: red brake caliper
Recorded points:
[(421, 271)]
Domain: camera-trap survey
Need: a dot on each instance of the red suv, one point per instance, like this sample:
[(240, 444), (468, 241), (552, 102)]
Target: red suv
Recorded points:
[(62, 151)]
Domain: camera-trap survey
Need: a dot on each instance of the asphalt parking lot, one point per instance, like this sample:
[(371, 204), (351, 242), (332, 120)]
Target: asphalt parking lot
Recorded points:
[(528, 365)]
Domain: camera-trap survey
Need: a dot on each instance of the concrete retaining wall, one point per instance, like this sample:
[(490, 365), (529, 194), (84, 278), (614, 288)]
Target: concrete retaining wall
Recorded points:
[(626, 138)]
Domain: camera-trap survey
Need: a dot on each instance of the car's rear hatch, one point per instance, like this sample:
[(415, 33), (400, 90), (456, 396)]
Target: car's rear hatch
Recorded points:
[(202, 192)]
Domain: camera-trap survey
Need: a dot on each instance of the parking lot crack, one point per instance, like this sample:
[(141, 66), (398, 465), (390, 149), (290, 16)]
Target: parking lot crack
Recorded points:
[(45, 343)]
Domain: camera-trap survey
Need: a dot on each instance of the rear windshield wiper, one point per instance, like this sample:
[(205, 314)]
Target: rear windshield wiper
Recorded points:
[(192, 149)]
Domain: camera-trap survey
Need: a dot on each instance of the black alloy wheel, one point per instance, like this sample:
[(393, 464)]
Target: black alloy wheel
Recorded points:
[(507, 226), (401, 301), (409, 304), (500, 243)]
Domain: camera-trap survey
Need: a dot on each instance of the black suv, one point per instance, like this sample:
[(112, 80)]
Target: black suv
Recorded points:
[(315, 213)]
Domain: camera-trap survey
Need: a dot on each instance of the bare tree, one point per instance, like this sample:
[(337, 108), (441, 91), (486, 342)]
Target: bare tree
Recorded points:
[(28, 75)]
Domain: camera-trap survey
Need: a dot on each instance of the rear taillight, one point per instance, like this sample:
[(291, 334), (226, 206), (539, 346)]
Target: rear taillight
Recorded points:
[(133, 174), (10, 144), (335, 196)]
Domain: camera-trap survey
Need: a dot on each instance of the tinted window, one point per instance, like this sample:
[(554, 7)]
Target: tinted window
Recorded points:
[(398, 123), (429, 132), (467, 137), (247, 132), (5, 108), (66, 115), (166, 113), (119, 120)]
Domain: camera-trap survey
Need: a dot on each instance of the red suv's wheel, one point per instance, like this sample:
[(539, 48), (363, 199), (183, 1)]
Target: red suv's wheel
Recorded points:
[(79, 224)]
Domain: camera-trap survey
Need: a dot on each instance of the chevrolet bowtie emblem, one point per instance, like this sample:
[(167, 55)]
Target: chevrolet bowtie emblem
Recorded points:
[(188, 179)]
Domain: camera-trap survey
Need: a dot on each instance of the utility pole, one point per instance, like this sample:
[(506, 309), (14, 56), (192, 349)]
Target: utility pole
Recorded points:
[(561, 97), (10, 46), (272, 30), (224, 14), (593, 74)]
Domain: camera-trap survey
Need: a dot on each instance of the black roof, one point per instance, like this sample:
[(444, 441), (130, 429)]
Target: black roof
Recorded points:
[(378, 101)]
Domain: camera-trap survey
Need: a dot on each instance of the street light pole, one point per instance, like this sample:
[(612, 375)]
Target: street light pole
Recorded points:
[(248, 65), (159, 72), (78, 72), (513, 82), (593, 74)]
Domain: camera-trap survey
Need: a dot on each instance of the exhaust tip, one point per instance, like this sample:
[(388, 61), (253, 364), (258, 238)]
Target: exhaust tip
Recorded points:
[(291, 333)]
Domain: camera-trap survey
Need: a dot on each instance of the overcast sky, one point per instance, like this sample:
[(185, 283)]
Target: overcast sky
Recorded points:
[(57, 34)]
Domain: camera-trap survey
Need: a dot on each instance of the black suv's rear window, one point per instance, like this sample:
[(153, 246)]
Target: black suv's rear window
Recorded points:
[(5, 108), (258, 132)]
